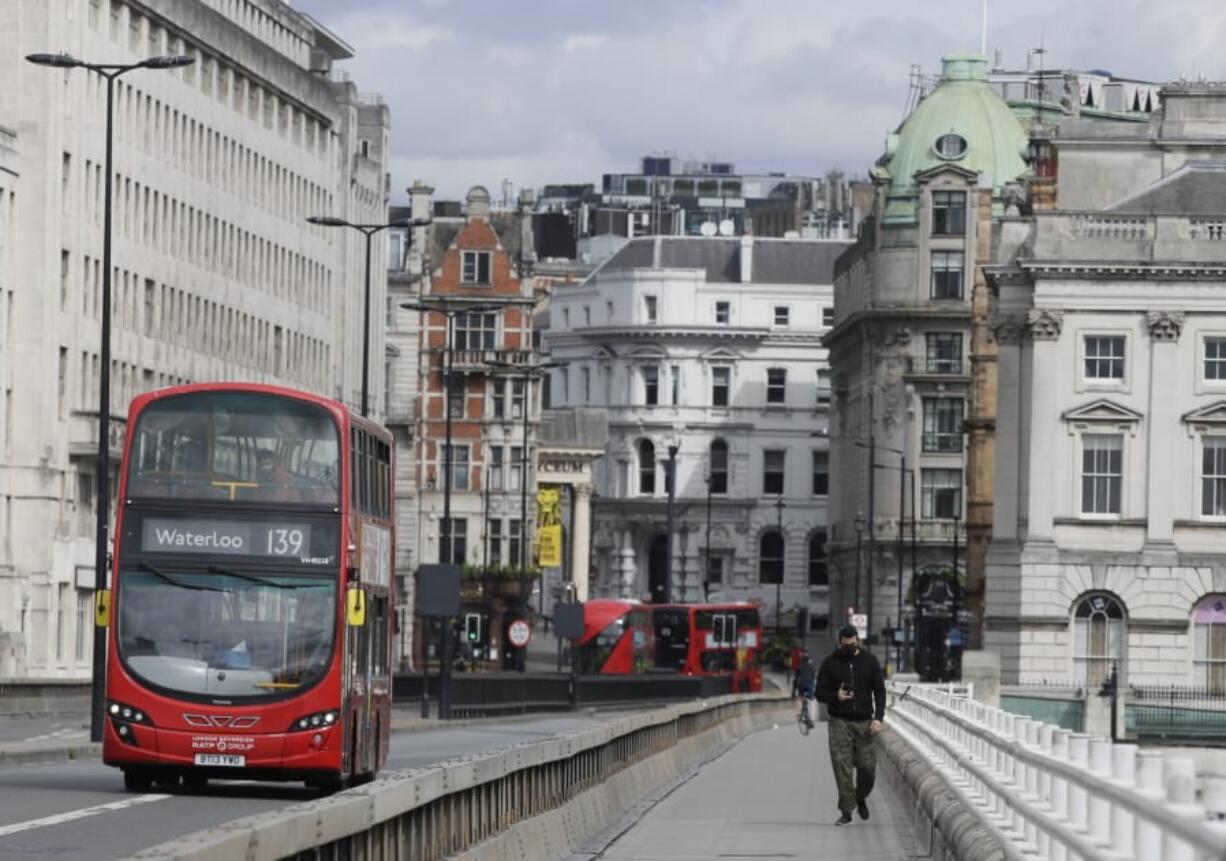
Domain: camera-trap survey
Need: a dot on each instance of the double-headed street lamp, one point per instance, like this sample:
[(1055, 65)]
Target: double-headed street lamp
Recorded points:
[(674, 446), (782, 564), (367, 230), (109, 71)]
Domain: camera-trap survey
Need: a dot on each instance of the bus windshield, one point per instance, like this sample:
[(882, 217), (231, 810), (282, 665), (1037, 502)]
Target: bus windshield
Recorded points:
[(235, 446), (224, 633)]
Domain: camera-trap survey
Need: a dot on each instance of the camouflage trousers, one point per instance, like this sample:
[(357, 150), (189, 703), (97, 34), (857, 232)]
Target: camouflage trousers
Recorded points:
[(853, 755)]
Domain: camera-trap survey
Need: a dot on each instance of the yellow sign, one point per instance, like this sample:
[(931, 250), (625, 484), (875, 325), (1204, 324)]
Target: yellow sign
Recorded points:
[(356, 608), (102, 608), (549, 526)]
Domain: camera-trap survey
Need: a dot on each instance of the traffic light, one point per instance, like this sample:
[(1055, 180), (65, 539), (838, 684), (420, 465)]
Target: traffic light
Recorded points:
[(472, 627)]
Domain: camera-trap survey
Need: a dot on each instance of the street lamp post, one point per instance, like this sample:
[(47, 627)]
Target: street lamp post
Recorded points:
[(783, 555), (859, 532), (367, 230), (110, 72), (706, 574), (673, 447)]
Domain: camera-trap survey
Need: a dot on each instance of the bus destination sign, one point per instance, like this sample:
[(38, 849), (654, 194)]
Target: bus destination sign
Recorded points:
[(237, 537)]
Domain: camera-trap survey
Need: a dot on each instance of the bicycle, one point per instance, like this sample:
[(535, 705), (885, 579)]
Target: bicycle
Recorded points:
[(805, 717)]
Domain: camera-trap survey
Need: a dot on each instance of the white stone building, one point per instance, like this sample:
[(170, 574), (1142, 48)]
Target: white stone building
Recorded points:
[(1108, 546), (712, 345), (216, 274)]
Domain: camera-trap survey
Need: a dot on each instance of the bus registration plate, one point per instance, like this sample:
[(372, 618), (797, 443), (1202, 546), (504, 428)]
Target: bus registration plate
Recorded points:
[(229, 759)]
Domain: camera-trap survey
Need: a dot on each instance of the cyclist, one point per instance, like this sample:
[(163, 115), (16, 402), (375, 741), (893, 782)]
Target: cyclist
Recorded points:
[(804, 684)]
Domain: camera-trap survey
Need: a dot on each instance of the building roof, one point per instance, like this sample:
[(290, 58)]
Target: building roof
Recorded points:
[(775, 261), (582, 427), (962, 104), (1197, 188)]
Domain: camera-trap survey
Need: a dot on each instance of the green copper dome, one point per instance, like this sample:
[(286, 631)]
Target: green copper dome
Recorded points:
[(961, 122)]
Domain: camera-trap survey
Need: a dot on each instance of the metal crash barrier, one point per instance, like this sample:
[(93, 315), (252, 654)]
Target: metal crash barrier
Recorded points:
[(1052, 794), (435, 812)]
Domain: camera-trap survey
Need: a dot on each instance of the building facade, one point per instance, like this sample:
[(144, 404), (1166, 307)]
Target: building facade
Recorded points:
[(216, 274), (706, 352), (906, 379), (1108, 552)]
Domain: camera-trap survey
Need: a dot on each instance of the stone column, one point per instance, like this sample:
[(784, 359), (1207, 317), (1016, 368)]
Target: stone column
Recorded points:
[(1008, 332), (1164, 470), (580, 544), (627, 563), (1045, 497)]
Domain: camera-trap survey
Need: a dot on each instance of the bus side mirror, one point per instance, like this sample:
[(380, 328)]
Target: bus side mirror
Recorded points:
[(356, 607), (102, 608)]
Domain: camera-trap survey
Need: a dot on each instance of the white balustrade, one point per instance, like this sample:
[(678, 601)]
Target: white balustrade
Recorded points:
[(1052, 794)]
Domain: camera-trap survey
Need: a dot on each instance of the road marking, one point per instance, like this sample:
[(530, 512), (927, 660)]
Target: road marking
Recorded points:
[(60, 818)]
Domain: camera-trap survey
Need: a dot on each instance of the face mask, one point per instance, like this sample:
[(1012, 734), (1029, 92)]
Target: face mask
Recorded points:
[(847, 651)]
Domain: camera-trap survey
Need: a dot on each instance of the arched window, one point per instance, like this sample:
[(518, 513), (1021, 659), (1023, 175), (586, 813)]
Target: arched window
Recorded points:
[(647, 466), (819, 575), (1098, 639), (770, 557), (719, 466), (1209, 643)]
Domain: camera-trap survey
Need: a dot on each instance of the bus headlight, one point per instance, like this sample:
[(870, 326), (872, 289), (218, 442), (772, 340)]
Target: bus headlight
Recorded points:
[(318, 720), (123, 718)]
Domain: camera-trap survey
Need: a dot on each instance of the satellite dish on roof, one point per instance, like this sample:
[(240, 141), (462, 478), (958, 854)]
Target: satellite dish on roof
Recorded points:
[(726, 227), (707, 229)]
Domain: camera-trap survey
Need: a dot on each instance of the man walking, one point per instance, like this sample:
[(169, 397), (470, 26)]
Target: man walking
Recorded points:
[(851, 685)]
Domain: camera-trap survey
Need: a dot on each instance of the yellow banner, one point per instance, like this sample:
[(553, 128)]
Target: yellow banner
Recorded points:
[(549, 546), (549, 528)]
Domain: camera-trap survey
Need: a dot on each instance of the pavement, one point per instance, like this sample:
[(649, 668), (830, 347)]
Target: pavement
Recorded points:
[(770, 796)]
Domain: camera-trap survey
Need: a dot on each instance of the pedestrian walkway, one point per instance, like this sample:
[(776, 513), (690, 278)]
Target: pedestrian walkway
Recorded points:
[(771, 796)]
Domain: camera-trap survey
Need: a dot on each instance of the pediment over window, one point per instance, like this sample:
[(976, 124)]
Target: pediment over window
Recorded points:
[(720, 354), (648, 354), (603, 354), (1104, 411), (1214, 414)]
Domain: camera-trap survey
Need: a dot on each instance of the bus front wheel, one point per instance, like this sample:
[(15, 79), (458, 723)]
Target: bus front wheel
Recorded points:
[(137, 780)]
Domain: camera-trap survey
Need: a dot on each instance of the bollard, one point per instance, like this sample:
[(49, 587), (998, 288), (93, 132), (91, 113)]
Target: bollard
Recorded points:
[(1124, 773), (1059, 790), (1147, 836), (1078, 801), (1099, 812), (1179, 778)]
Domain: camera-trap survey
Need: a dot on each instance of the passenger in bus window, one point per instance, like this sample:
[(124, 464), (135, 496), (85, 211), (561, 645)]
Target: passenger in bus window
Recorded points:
[(273, 478)]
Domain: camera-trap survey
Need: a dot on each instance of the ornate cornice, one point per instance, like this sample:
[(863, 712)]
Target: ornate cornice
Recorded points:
[(1007, 328), (1044, 323), (1165, 325), (1165, 271)]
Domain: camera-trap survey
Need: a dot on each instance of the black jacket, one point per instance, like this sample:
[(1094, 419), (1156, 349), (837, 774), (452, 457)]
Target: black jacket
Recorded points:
[(806, 675), (863, 674)]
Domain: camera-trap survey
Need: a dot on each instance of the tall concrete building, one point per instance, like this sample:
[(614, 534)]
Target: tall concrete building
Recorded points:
[(706, 352), (216, 274)]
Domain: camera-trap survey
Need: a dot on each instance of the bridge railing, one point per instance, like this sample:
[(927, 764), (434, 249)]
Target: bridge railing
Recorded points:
[(1053, 794)]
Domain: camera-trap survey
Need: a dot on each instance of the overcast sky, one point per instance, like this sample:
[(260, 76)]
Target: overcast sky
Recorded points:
[(539, 91)]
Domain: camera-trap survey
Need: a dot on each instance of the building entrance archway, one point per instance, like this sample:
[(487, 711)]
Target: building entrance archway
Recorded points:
[(657, 563)]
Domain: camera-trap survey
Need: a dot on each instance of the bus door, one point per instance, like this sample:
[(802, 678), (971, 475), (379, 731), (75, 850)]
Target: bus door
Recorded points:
[(358, 639)]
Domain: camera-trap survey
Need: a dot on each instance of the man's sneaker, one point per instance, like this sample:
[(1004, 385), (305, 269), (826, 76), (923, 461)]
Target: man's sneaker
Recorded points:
[(845, 819), (862, 809)]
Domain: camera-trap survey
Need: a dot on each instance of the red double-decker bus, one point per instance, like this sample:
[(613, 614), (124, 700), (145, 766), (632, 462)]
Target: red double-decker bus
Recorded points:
[(617, 638), (710, 640), (250, 627)]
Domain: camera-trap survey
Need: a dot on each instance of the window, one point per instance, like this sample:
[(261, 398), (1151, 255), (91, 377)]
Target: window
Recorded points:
[(586, 376), (476, 331), (772, 471), (782, 313), (941, 492), (517, 399), (455, 551), (649, 303), (947, 275), (950, 146), (1213, 477), (776, 385), (1104, 357), (821, 473), (514, 543), (770, 557), (1215, 358), (828, 316), (1098, 639), (723, 312), (948, 213), (943, 424), (1101, 472), (819, 574), (944, 353), (459, 466), (516, 468), (455, 399), (715, 569), (717, 474), (494, 542), (475, 267), (647, 466), (565, 318), (1209, 643), (587, 315), (495, 467), (823, 386), (651, 385), (85, 624), (498, 401), (720, 384), (564, 375), (674, 378)]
